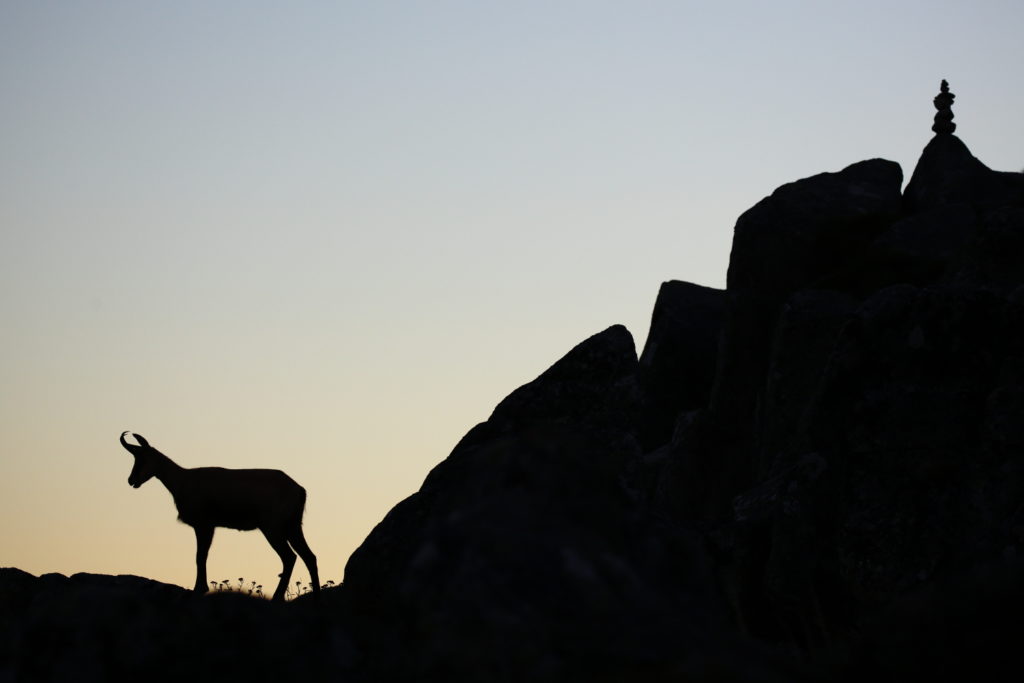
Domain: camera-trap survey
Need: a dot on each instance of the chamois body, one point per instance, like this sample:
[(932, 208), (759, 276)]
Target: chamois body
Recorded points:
[(211, 497), (235, 499)]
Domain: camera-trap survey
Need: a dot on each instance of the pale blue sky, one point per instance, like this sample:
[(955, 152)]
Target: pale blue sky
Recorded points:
[(331, 236)]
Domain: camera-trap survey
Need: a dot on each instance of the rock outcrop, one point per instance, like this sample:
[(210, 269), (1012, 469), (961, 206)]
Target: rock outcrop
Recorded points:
[(862, 448), (833, 440), (525, 555), (91, 628), (677, 367)]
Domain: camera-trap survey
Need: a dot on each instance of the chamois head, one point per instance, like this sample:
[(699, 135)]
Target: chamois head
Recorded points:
[(145, 460)]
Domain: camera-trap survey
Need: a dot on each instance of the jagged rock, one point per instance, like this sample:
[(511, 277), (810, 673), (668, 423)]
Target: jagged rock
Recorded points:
[(796, 238), (523, 556), (805, 335), (964, 627), (895, 476), (916, 419), (791, 240), (947, 173), (594, 385), (902, 414), (677, 366), (864, 442), (993, 256), (919, 249)]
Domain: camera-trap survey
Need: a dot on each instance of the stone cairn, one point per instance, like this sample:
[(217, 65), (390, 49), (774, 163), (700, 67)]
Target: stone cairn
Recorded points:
[(944, 116)]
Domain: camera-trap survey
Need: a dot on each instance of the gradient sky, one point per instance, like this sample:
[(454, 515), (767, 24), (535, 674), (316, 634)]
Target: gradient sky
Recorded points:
[(329, 237)]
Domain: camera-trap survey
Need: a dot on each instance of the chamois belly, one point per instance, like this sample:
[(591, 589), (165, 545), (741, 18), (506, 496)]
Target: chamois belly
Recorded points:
[(242, 500), (225, 513), (238, 499)]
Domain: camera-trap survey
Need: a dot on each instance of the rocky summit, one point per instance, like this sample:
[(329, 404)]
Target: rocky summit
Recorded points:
[(814, 474)]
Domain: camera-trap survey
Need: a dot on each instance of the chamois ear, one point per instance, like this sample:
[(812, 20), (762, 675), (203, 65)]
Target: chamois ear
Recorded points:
[(142, 442)]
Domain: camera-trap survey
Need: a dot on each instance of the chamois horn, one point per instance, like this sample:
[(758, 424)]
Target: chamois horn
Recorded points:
[(132, 448)]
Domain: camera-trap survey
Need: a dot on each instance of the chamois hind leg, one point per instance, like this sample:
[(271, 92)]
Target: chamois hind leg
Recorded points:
[(279, 543), (204, 537), (298, 543)]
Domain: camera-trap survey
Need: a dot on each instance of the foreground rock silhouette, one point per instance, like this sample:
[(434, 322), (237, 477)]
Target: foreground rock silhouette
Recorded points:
[(815, 474), (90, 627)]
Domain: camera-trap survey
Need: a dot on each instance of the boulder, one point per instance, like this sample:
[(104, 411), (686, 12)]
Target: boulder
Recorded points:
[(808, 325), (947, 173), (797, 238), (993, 256), (793, 239), (904, 478), (677, 366), (863, 445), (524, 555), (897, 470)]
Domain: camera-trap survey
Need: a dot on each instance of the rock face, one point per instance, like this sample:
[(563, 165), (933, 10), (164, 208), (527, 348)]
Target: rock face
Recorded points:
[(948, 175), (862, 444), (677, 367), (827, 454), (525, 556), (795, 239)]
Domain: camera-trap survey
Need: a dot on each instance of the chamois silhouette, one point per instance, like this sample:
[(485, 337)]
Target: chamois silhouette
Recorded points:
[(211, 497)]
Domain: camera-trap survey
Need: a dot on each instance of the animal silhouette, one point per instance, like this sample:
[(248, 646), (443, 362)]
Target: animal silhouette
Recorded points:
[(211, 497)]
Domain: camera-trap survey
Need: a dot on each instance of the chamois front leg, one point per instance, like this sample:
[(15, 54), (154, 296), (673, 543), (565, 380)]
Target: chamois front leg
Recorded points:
[(204, 537)]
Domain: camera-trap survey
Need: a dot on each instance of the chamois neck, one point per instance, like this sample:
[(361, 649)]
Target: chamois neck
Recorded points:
[(167, 471)]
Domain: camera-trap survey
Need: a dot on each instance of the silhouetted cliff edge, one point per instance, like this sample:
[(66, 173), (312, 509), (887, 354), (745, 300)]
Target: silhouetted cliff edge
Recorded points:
[(851, 471), (815, 474)]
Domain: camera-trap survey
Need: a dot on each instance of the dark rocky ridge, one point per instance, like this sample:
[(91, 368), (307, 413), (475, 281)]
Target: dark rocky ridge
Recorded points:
[(92, 627), (816, 474)]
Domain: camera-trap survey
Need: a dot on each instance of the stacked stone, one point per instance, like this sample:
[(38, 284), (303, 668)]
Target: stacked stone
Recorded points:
[(944, 116)]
